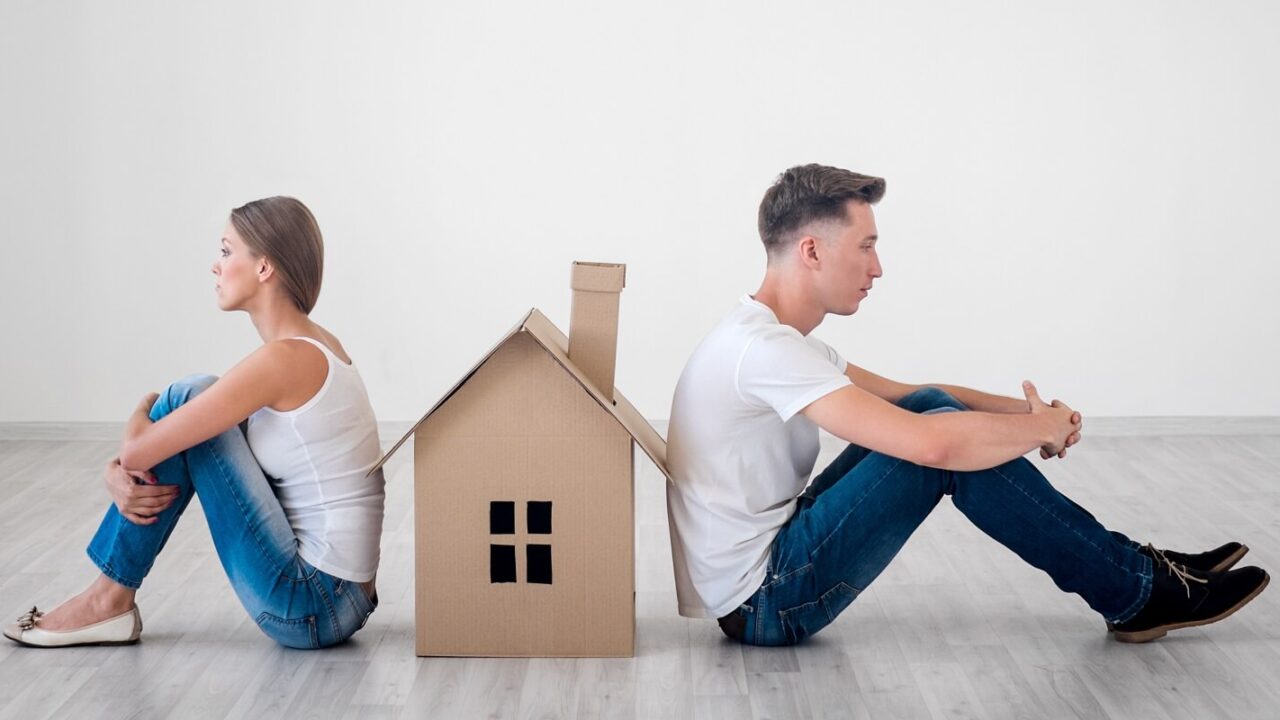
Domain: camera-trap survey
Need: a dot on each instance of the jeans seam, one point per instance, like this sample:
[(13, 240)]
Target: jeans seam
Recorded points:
[(1144, 595), (759, 614), (240, 505), (1049, 511), (827, 607), (852, 508), (1144, 587), (307, 621), (328, 602)]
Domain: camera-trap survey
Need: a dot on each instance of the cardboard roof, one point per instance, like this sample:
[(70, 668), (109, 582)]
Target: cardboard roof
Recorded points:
[(547, 335)]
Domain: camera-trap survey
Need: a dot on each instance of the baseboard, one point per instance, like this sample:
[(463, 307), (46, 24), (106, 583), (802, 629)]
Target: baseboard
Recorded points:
[(61, 431), (388, 432), (1135, 426), (392, 430)]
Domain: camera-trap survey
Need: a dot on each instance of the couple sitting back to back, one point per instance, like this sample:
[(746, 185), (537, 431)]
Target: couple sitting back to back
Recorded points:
[(279, 450)]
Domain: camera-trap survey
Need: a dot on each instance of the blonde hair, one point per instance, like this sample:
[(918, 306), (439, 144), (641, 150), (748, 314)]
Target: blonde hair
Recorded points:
[(284, 231)]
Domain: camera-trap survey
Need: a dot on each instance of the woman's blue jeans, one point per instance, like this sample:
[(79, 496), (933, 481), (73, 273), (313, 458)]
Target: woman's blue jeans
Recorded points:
[(293, 603), (855, 516)]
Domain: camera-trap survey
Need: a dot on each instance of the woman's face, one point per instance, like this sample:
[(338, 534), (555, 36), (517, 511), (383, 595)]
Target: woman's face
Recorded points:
[(237, 270)]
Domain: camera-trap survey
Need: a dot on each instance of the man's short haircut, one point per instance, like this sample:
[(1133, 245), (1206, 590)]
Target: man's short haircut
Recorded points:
[(806, 193)]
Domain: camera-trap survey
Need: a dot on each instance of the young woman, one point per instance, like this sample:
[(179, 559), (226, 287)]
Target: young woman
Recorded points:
[(279, 451)]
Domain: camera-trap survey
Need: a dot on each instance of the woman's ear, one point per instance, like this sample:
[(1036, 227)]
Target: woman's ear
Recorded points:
[(265, 270)]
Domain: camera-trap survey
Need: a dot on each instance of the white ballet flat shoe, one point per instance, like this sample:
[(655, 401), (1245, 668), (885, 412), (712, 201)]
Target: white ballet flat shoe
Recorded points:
[(122, 629)]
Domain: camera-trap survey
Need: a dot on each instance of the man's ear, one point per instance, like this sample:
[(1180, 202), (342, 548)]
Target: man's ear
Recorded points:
[(809, 252)]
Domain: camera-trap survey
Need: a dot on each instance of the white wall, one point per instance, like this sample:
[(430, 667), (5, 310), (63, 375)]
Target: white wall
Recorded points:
[(1076, 194)]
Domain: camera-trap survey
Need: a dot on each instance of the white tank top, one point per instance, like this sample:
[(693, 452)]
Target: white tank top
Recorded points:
[(316, 458)]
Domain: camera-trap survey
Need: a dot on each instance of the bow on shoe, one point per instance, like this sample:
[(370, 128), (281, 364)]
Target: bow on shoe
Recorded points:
[(28, 621)]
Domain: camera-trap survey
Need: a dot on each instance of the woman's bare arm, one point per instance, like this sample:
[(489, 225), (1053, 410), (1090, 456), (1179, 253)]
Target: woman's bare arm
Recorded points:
[(273, 373)]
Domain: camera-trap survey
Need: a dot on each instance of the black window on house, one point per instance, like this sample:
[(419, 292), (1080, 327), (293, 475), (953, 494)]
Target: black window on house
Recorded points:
[(539, 517), (502, 518), (502, 556), (539, 563), (502, 563)]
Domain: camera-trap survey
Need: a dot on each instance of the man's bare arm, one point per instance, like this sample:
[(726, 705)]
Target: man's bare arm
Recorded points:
[(882, 387), (893, 391), (984, 402), (953, 441)]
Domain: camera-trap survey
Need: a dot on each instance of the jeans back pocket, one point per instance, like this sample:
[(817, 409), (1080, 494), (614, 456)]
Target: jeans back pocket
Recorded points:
[(805, 620), (299, 633)]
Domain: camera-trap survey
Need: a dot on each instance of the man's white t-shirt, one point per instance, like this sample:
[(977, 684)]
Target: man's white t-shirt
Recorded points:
[(740, 453)]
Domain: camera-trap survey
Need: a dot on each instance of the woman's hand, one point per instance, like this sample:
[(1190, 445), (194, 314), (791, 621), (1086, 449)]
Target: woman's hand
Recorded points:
[(136, 494), (1066, 422)]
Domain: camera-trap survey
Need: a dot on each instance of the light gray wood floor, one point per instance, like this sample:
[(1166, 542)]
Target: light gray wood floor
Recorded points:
[(956, 627)]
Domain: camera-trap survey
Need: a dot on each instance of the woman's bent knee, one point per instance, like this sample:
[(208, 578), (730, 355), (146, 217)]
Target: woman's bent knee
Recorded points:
[(180, 392), (193, 384)]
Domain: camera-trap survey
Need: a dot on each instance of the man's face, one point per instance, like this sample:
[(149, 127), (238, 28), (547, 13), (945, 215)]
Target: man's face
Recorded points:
[(848, 262)]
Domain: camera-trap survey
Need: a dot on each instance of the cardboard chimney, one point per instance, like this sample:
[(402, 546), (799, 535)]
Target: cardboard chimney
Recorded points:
[(593, 322), (524, 523)]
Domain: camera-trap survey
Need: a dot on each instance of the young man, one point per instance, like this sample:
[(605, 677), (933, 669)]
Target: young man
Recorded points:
[(775, 561)]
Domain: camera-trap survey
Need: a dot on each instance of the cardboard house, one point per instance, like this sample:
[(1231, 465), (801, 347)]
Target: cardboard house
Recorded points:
[(523, 492)]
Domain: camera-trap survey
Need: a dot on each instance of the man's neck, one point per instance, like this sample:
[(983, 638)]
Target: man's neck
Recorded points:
[(790, 301)]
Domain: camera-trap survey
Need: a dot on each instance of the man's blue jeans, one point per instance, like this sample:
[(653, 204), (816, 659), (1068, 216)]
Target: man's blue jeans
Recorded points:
[(293, 603), (855, 516)]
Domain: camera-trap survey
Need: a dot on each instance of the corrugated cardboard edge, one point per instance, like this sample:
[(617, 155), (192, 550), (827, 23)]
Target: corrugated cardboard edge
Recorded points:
[(555, 342), (546, 334), (456, 386), (597, 277)]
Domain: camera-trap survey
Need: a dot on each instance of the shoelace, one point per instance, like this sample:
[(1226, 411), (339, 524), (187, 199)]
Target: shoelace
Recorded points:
[(28, 621), (1176, 570)]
